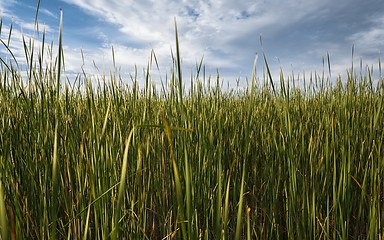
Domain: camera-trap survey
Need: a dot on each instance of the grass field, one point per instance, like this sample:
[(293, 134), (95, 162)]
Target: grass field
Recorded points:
[(114, 159)]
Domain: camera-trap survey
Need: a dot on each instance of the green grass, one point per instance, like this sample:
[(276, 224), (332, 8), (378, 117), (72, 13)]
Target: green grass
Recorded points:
[(107, 159)]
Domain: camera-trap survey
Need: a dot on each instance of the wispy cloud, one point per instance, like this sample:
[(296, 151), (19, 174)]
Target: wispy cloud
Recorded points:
[(370, 39), (48, 13)]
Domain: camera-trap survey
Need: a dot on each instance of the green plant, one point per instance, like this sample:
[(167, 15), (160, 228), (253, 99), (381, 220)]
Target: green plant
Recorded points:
[(100, 159)]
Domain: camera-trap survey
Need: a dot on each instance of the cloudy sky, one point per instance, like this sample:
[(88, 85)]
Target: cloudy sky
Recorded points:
[(295, 34)]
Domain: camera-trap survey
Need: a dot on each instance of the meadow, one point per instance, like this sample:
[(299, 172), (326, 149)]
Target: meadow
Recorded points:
[(111, 158)]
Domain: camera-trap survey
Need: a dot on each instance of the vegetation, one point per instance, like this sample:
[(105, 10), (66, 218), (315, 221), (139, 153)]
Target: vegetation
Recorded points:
[(109, 159)]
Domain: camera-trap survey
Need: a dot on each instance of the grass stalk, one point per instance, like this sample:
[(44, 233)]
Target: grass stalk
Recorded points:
[(3, 214), (240, 210), (122, 187)]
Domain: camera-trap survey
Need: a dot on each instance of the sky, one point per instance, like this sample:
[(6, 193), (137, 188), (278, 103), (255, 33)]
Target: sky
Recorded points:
[(295, 35)]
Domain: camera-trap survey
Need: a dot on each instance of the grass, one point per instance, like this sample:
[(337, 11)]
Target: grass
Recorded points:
[(105, 159)]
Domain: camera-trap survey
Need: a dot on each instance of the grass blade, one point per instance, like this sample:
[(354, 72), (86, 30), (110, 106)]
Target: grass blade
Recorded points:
[(55, 187), (122, 187), (3, 214), (60, 53), (239, 219), (178, 61)]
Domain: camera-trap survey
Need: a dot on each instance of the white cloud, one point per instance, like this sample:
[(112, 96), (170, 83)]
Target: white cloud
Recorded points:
[(4, 9), (31, 27), (371, 39), (203, 25), (225, 32), (48, 13)]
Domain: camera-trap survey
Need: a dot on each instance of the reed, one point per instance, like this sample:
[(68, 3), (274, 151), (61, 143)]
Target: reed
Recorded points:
[(108, 159)]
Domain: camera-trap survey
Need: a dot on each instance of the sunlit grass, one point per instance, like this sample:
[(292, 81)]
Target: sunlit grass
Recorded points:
[(107, 159)]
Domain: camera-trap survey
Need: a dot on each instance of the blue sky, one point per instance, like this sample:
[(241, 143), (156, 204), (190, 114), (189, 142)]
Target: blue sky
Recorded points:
[(296, 34)]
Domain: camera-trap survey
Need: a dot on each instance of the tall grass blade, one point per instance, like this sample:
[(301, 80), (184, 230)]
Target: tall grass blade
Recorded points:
[(188, 196), (178, 61), (269, 74), (226, 208), (3, 214), (36, 16), (122, 186), (10, 34), (10, 52), (329, 65), (86, 224), (60, 53), (239, 219), (55, 187), (177, 182)]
